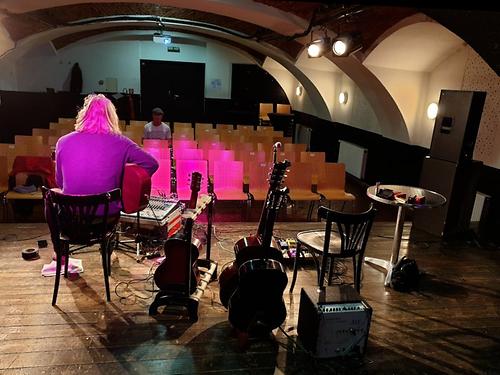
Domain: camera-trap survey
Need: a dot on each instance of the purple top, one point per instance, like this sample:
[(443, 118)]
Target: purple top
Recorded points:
[(89, 163)]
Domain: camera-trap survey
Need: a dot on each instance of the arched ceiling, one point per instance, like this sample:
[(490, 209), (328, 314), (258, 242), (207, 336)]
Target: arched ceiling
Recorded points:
[(418, 47)]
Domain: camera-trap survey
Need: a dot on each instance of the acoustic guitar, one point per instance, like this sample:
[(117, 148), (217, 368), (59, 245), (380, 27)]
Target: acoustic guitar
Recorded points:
[(252, 286), (136, 188), (178, 272)]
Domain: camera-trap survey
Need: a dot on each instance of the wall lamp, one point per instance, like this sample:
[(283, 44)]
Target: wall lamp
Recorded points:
[(343, 97)]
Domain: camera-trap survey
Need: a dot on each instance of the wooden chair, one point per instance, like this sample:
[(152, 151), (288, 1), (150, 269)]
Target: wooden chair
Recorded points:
[(134, 136), (182, 125), (207, 145), (317, 160), (258, 174), (66, 120), (160, 181), (250, 157), (228, 180), (290, 156), (331, 183), (295, 147), (353, 231), (198, 127), (264, 109), (207, 135), (184, 169), (218, 156), (188, 154), (299, 181), (183, 134), (268, 130), (284, 109), (82, 220), (182, 143), (224, 127), (137, 123), (245, 128), (4, 174)]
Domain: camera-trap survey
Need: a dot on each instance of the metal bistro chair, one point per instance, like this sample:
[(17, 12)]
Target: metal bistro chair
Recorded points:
[(82, 220), (349, 242)]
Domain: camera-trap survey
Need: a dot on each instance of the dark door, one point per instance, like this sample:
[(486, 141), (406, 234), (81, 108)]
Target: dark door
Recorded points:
[(176, 87)]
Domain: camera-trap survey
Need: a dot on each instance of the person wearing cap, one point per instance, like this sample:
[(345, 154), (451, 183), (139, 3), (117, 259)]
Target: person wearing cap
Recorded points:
[(157, 129)]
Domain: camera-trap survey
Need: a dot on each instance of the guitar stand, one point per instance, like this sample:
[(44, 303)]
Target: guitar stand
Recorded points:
[(124, 244), (167, 298)]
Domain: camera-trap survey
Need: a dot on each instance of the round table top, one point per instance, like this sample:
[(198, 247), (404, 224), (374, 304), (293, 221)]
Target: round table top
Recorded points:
[(432, 199)]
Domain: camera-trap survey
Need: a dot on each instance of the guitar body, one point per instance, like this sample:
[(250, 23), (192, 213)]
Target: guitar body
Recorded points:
[(245, 249), (178, 272), (136, 188), (170, 275), (258, 299)]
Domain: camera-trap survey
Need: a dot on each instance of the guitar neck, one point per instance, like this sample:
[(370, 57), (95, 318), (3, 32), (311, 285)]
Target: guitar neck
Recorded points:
[(173, 172)]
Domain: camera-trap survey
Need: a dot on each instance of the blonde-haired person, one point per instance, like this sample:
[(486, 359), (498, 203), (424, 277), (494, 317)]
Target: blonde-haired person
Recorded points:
[(91, 159)]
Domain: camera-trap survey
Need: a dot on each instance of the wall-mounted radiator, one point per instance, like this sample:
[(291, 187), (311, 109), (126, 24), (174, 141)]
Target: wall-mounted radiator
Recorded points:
[(354, 157)]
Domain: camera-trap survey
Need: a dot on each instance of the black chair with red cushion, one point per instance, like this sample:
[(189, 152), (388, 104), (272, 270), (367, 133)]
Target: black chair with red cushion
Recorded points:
[(82, 220)]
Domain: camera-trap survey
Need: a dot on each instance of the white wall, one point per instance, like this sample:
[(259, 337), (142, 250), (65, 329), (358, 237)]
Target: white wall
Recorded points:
[(117, 56)]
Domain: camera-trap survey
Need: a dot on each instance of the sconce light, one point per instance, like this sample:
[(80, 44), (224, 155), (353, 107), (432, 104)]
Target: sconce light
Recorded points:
[(432, 111), (343, 97), (298, 90)]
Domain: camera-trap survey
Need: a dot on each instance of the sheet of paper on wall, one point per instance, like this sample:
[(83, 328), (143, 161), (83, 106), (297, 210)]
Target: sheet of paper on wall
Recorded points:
[(216, 84)]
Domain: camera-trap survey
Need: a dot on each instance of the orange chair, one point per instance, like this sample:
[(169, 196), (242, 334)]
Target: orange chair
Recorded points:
[(269, 130), (249, 158), (331, 184), (284, 109), (297, 147), (278, 133), (188, 154), (137, 123), (258, 174), (228, 180), (181, 143), (207, 135), (264, 109), (312, 157), (198, 127), (267, 147), (245, 128), (184, 169), (224, 127), (185, 134), (299, 181), (290, 156), (210, 145), (182, 125), (283, 140)]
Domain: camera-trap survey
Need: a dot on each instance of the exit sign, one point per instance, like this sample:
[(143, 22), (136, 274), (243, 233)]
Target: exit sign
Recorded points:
[(173, 49)]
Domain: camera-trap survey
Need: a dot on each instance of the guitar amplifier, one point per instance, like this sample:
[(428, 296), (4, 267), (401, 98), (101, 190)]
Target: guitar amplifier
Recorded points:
[(333, 322)]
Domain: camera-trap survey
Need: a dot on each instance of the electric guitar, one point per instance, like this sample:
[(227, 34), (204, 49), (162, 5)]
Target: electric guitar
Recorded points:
[(178, 273)]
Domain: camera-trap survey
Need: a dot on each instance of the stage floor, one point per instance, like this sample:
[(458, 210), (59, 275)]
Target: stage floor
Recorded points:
[(451, 326)]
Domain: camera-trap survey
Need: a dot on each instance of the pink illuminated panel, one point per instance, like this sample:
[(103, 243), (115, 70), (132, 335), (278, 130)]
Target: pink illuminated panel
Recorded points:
[(228, 180), (184, 169), (155, 143), (188, 154)]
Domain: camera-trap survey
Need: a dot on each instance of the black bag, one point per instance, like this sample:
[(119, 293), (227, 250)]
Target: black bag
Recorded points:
[(405, 275)]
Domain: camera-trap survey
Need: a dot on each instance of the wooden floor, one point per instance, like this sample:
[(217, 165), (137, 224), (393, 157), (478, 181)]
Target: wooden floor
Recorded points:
[(451, 326)]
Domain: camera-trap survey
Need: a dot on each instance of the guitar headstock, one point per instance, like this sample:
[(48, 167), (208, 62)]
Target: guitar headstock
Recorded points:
[(278, 174), (195, 182)]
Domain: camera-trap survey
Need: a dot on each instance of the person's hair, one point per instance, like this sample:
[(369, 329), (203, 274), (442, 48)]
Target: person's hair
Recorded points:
[(98, 116)]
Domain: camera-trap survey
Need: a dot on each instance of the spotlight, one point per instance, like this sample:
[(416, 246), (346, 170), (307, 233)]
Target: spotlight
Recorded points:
[(343, 97), (298, 90), (318, 47), (345, 44), (432, 111)]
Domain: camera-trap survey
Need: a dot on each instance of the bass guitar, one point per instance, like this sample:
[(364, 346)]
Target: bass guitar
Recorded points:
[(178, 272)]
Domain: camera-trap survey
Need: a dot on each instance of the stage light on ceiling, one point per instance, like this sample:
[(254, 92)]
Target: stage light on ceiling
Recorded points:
[(343, 97), (298, 90), (318, 47), (432, 111), (339, 47), (345, 44)]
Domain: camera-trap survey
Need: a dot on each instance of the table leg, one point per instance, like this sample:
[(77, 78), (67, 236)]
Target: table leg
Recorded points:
[(396, 244)]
